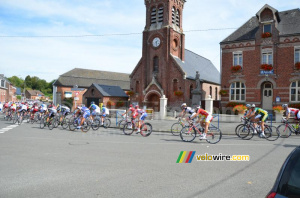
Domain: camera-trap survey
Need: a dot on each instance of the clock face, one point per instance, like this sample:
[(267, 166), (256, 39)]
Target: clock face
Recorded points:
[(156, 42)]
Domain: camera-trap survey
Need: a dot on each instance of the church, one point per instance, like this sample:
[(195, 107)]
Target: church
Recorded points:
[(166, 69)]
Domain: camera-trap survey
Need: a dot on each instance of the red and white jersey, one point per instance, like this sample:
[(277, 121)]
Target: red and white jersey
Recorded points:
[(292, 111), (202, 112), (140, 111)]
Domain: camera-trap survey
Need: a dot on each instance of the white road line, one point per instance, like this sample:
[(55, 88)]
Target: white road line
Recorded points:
[(3, 130)]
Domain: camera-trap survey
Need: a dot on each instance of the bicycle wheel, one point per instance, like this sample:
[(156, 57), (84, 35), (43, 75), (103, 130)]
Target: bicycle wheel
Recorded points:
[(284, 131), (146, 129), (106, 123), (51, 124), (271, 133), (246, 132), (20, 120), (73, 125), (96, 124), (188, 134), (121, 124), (214, 135), (126, 130), (176, 128), (86, 126), (15, 119), (65, 123), (42, 123)]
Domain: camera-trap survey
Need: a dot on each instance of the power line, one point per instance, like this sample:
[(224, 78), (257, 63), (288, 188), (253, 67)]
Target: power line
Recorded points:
[(99, 35)]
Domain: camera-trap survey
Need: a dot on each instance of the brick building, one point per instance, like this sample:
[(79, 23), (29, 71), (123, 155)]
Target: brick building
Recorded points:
[(7, 90), (166, 67), (34, 95), (63, 87), (265, 54), (112, 96)]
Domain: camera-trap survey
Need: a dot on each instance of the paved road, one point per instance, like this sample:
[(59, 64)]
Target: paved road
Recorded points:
[(106, 163)]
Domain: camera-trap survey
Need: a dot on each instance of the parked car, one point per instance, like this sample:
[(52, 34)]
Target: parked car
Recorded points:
[(287, 183)]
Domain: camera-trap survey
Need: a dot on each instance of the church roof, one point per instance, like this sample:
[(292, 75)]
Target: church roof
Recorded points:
[(194, 62)]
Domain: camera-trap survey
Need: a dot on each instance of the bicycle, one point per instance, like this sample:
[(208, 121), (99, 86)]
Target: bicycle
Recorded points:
[(189, 133), (122, 122), (130, 127), (247, 130), (45, 123), (286, 129), (177, 127)]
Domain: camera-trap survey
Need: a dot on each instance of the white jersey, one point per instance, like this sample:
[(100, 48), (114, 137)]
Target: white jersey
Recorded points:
[(1, 106), (189, 110), (24, 107)]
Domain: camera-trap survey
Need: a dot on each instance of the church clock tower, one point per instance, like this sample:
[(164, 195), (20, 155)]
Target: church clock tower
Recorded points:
[(163, 38)]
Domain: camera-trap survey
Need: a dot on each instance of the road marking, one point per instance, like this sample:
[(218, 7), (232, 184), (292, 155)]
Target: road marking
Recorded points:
[(3, 130)]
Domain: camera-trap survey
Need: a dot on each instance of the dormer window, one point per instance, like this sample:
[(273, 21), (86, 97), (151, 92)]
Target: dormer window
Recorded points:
[(267, 28)]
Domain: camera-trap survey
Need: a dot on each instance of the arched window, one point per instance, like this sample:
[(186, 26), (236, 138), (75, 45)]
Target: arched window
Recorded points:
[(160, 14), (173, 15), (237, 91), (295, 91), (157, 15), (175, 85), (137, 86), (216, 93), (155, 64), (153, 16), (210, 91), (178, 18), (191, 89)]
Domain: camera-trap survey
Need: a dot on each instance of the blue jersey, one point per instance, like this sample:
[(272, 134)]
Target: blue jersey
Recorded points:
[(85, 109), (93, 107), (103, 109)]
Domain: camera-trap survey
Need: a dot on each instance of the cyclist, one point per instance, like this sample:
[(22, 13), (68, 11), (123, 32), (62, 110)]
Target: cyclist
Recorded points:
[(205, 118), (95, 110), (288, 111), (130, 111), (85, 114), (34, 109), (105, 112), (52, 112), (141, 116), (186, 109), (260, 114), (43, 108)]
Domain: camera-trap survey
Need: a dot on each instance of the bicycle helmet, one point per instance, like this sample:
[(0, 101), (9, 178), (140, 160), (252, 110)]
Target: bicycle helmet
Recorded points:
[(284, 105), (136, 106), (248, 105), (183, 105), (130, 105), (92, 102), (253, 106)]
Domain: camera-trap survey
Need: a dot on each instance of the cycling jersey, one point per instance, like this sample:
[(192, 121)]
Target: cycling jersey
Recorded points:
[(261, 114), (204, 116), (295, 112), (86, 112), (189, 110)]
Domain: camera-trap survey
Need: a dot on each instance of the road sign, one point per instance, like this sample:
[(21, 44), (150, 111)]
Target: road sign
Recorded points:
[(76, 98), (76, 94)]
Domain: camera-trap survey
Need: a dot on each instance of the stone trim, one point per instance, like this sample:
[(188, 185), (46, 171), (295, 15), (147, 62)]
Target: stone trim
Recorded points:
[(154, 82)]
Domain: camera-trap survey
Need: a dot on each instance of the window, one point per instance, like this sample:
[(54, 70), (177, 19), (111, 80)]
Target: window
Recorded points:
[(177, 18), (295, 91), (3, 83), (155, 64), (297, 55), (237, 91), (153, 16), (267, 28), (210, 91), (68, 94), (237, 58), (216, 93), (175, 85), (267, 58), (157, 15)]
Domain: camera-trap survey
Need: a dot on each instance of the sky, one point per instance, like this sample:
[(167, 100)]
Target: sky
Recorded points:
[(28, 30)]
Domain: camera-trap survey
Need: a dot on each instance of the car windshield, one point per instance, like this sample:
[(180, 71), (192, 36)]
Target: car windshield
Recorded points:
[(290, 182)]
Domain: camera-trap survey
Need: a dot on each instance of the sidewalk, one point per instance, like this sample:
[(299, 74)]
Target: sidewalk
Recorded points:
[(165, 125)]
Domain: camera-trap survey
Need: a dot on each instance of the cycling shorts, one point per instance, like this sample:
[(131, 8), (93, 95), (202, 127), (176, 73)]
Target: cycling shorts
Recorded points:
[(297, 115), (207, 119), (261, 116), (86, 115), (143, 116)]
